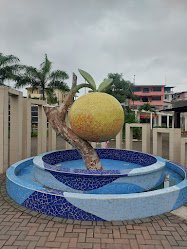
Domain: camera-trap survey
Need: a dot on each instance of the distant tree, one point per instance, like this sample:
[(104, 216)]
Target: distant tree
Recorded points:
[(130, 118), (147, 107), (51, 97), (9, 67), (121, 89), (43, 78)]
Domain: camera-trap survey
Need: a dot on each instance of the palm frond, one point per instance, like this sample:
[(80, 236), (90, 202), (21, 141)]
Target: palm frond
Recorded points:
[(59, 85), (45, 66), (22, 81), (8, 60), (58, 75)]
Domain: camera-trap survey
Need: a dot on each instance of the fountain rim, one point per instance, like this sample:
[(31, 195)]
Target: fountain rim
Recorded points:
[(11, 175), (158, 165)]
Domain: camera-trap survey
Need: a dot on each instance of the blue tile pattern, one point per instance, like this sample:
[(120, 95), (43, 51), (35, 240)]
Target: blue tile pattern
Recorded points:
[(89, 180), (182, 198), (56, 205), (81, 182), (95, 207), (123, 185), (117, 188), (50, 159), (16, 192)]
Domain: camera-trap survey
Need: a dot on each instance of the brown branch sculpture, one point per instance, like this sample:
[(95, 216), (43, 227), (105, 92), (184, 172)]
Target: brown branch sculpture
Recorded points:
[(56, 117)]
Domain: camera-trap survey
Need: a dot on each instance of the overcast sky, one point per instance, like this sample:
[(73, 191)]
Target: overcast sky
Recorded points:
[(146, 38)]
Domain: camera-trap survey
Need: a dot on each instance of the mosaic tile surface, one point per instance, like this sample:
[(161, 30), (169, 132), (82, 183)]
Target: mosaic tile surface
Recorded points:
[(96, 207), (56, 157), (83, 183), (96, 117), (95, 185), (89, 180), (56, 205)]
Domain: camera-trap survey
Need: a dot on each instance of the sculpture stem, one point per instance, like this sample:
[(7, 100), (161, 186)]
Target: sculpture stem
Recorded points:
[(56, 117)]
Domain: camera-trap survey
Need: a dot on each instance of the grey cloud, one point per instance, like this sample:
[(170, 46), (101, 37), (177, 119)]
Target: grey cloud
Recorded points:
[(146, 38)]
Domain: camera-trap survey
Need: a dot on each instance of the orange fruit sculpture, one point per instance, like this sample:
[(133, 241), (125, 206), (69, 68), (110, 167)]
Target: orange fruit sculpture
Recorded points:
[(96, 116)]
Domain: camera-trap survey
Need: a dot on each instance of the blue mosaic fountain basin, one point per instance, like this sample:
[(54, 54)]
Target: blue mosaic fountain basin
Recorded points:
[(25, 190), (124, 172)]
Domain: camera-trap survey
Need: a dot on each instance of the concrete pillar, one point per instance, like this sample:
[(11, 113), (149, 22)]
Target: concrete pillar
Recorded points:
[(159, 120), (157, 142), (185, 123), (146, 133), (51, 138), (167, 121), (173, 121), (146, 136), (175, 145), (16, 127), (103, 145), (119, 139), (26, 129), (184, 151), (3, 129), (93, 144), (155, 123), (42, 131), (128, 137), (151, 120)]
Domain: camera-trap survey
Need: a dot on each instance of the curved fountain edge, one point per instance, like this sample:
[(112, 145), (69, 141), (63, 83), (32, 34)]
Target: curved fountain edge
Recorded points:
[(96, 206), (158, 165), (150, 175)]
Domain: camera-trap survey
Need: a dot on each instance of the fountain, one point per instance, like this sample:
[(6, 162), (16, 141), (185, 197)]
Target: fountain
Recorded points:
[(101, 184)]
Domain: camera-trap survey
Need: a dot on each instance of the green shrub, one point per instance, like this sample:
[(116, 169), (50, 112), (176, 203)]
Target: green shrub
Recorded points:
[(129, 119)]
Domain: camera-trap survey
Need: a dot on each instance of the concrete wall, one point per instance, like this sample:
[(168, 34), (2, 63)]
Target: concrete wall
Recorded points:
[(20, 132), (15, 144)]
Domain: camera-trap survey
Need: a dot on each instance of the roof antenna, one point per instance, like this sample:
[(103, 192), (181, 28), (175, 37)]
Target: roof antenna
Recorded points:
[(134, 79)]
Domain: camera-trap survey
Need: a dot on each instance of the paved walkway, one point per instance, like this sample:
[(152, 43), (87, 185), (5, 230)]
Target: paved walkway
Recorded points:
[(22, 228)]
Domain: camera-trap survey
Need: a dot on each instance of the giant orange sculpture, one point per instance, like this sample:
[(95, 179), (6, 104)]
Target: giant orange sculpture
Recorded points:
[(95, 116)]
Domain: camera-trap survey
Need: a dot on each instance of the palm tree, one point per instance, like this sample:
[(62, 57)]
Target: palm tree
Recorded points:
[(9, 67), (147, 107), (43, 78)]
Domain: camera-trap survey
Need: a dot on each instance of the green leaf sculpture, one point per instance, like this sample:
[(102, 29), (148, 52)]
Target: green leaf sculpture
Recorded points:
[(88, 78), (91, 83), (104, 84), (81, 86)]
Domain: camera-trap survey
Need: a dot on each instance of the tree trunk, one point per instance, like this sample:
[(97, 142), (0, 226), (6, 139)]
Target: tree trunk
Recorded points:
[(56, 117)]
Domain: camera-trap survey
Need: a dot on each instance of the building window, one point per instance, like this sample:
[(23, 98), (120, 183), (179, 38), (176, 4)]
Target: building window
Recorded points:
[(156, 98), (40, 91), (145, 99), (146, 90), (137, 89), (157, 89)]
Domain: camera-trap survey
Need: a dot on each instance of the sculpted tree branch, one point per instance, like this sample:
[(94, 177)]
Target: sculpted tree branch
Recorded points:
[(56, 117)]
